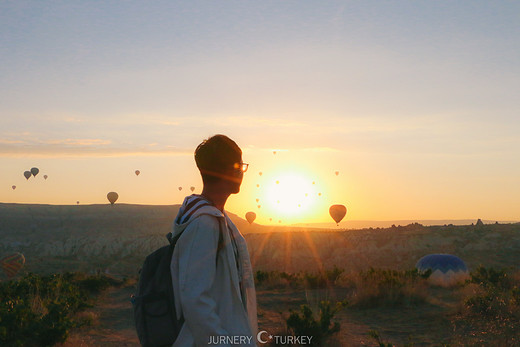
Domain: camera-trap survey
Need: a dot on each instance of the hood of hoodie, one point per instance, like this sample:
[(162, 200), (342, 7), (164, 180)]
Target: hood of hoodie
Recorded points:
[(192, 207)]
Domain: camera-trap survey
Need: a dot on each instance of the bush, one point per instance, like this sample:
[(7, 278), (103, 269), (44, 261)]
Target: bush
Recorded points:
[(490, 278), (491, 312), (320, 328), (276, 279), (497, 296), (39, 310), (315, 280)]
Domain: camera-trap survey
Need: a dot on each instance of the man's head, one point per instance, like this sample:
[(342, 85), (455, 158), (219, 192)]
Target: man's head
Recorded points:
[(219, 160)]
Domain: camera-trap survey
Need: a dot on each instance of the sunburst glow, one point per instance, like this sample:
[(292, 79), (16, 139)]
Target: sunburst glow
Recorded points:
[(290, 194)]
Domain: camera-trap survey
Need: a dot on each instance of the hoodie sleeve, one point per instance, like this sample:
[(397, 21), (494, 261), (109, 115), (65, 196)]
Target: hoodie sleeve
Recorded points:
[(197, 269)]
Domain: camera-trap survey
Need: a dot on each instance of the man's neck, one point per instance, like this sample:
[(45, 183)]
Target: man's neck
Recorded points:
[(217, 198)]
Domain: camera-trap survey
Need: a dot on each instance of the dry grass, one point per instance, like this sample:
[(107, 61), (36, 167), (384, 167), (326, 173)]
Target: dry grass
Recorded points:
[(489, 312), (387, 288)]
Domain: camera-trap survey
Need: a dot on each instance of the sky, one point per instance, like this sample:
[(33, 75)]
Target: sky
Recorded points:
[(414, 103)]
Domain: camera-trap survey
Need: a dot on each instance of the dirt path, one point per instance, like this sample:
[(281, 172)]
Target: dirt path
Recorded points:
[(424, 325), (113, 322)]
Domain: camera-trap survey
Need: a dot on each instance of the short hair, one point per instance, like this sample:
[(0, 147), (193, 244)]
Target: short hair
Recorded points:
[(216, 154)]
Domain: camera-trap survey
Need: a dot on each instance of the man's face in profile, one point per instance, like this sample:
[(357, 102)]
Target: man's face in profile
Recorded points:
[(237, 174)]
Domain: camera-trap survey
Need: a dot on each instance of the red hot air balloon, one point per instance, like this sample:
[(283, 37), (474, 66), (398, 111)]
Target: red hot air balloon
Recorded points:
[(260, 173), (337, 212), (27, 174), (337, 173), (14, 187), (112, 197), (180, 188), (12, 264), (250, 216), (137, 172)]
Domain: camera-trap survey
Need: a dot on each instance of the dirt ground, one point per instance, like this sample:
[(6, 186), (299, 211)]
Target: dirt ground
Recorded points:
[(424, 325), (113, 324)]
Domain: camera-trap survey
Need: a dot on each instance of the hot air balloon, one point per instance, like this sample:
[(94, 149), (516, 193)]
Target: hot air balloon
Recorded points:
[(313, 182), (260, 173), (257, 185), (337, 173), (27, 174), (250, 216), (277, 182), (446, 269), (45, 176), (259, 206), (137, 172), (319, 194), (257, 200), (274, 152), (112, 197), (77, 202), (14, 187), (337, 212), (270, 219), (192, 189), (34, 171), (180, 188), (12, 264)]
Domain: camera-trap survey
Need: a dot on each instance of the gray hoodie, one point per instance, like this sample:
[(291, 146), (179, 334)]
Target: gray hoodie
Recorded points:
[(212, 278)]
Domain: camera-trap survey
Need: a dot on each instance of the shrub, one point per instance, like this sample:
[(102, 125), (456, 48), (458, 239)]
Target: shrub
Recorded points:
[(315, 280), (490, 278), (334, 274), (39, 310), (321, 328), (276, 279), (497, 296), (491, 312)]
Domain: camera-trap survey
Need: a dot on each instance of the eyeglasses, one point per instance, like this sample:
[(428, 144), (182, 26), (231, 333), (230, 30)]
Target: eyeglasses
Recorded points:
[(241, 166)]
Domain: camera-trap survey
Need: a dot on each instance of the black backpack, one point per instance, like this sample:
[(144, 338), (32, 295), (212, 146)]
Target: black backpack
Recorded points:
[(154, 306)]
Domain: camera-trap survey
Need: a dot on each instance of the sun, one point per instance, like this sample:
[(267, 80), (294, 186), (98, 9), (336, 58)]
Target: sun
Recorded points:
[(290, 194)]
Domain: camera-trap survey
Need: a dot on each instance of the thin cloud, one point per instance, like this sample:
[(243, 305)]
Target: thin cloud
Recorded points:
[(254, 122), (78, 142), (295, 149), (84, 148), (10, 142)]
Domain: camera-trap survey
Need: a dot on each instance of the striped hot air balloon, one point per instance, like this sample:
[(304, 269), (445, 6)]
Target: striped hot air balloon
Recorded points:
[(447, 270), (12, 264)]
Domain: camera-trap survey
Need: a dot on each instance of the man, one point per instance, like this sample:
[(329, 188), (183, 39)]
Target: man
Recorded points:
[(211, 270)]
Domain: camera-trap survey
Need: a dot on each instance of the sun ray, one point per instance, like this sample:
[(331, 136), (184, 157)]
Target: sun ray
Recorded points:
[(288, 252), (258, 252), (314, 251)]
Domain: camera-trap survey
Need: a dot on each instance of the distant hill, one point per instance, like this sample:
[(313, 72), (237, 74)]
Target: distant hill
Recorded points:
[(117, 238), (360, 224), (96, 236)]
